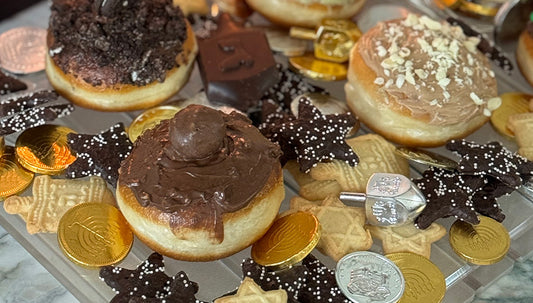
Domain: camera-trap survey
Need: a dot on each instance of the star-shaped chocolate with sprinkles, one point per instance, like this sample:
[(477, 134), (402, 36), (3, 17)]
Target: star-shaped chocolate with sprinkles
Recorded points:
[(149, 283), (311, 137), (447, 194), (9, 84), (290, 86), (99, 155), (34, 109), (321, 285), (489, 160), (291, 279)]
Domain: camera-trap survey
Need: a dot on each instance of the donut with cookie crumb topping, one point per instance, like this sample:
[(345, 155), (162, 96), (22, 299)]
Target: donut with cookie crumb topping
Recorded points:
[(118, 55), (420, 82)]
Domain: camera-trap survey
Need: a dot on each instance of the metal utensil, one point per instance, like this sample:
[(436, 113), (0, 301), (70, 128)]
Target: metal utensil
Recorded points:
[(390, 200)]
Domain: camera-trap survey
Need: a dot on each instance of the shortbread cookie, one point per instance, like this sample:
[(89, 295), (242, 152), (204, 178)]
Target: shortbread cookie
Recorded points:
[(319, 190), (336, 239), (408, 238), (192, 7), (250, 292), (53, 197), (522, 127), (376, 155)]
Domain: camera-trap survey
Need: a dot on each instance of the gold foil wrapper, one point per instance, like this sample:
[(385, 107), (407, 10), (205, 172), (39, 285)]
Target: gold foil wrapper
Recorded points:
[(424, 282), (2, 146), (483, 244), (288, 241), (14, 178), (94, 234), (150, 118), (44, 149), (512, 103), (311, 67)]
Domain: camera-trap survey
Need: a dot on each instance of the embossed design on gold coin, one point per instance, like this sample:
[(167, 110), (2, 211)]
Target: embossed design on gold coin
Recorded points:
[(23, 49), (44, 149), (288, 241), (512, 103), (149, 119), (482, 244), (94, 234), (424, 282), (13, 178), (316, 69), (426, 157)]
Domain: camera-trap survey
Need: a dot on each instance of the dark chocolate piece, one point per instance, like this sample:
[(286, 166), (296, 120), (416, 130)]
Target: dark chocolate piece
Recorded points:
[(99, 155), (9, 84), (312, 137), (31, 110), (236, 65), (447, 194), (320, 285), (484, 46)]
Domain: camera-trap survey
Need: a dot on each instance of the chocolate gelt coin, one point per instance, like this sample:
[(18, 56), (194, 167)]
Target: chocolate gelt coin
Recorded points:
[(482, 244), (311, 67), (512, 103), (94, 234), (150, 118), (44, 149), (453, 4), (365, 276), (2, 146), (426, 157), (480, 8), (14, 178), (424, 282), (23, 49), (288, 241)]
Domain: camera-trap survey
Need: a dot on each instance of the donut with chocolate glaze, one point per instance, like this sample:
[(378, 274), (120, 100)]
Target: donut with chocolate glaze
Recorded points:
[(118, 55), (420, 82), (307, 13), (202, 185)]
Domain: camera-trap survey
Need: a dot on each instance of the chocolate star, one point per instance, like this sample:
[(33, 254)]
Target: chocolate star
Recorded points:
[(490, 159), (99, 155), (181, 290), (148, 280), (291, 279), (484, 199), (447, 194), (31, 110), (290, 86), (312, 137), (10, 85), (321, 285)]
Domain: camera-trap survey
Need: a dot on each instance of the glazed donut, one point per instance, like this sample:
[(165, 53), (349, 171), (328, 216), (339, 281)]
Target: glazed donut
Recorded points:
[(419, 82), (307, 13), (524, 53), (202, 185), (122, 59)]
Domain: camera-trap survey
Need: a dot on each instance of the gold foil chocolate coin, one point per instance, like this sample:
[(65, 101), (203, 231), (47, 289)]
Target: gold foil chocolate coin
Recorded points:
[(23, 49), (2, 146), (149, 119), (424, 282), (94, 234), (512, 103), (44, 149), (288, 241), (480, 8), (426, 157), (482, 244), (311, 67), (13, 178)]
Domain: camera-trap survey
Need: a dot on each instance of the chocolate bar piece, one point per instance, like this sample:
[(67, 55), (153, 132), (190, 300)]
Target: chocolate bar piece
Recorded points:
[(236, 65)]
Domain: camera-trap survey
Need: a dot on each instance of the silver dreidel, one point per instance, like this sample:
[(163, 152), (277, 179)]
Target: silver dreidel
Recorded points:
[(390, 200)]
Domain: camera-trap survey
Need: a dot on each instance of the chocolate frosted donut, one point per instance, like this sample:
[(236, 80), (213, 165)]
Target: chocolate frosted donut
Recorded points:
[(202, 185), (420, 82), (118, 55)]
